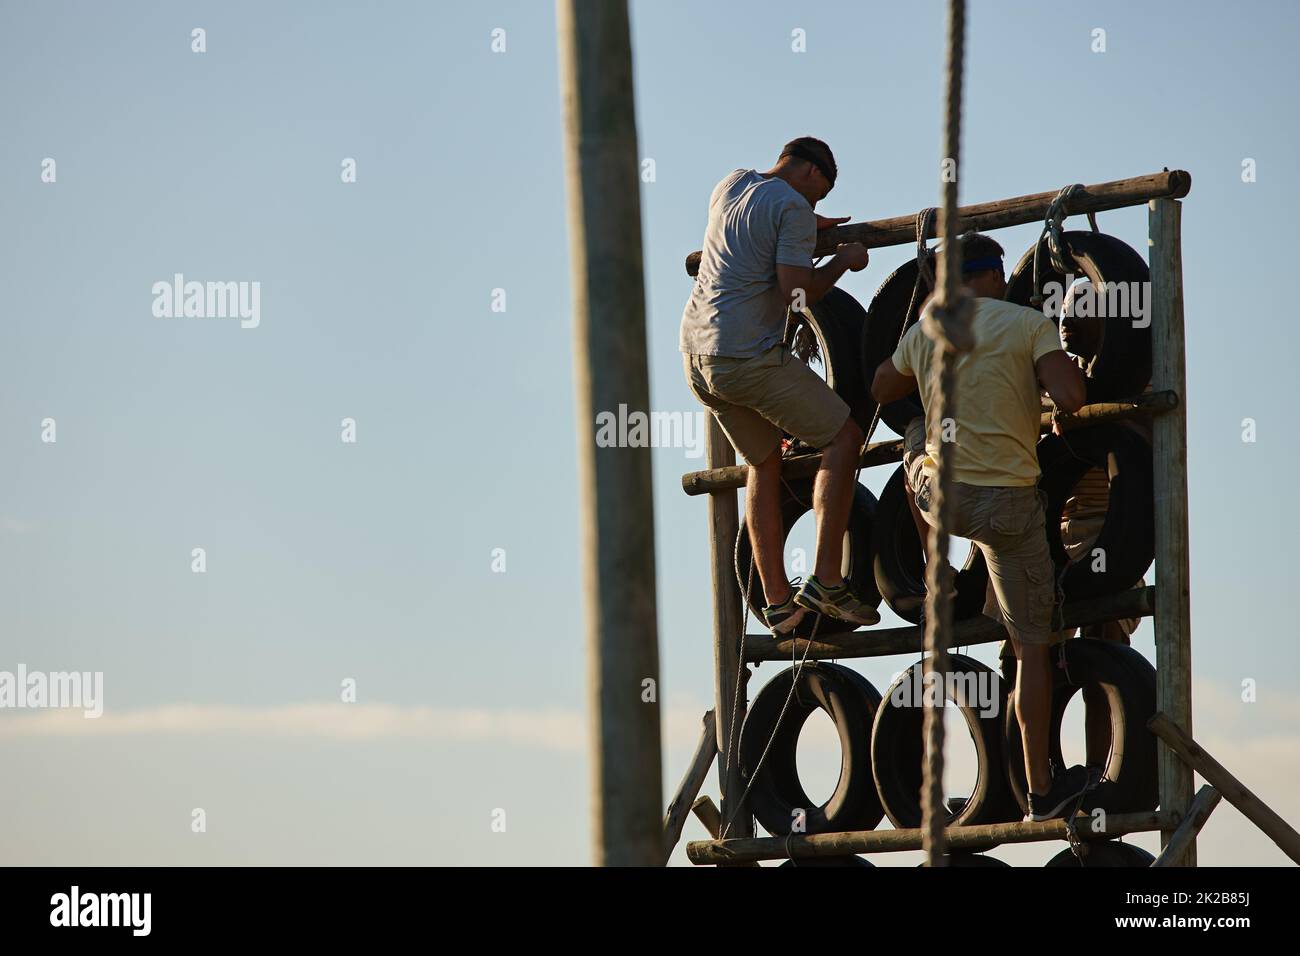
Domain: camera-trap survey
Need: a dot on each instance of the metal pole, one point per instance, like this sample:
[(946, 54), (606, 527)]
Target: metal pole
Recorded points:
[(610, 370)]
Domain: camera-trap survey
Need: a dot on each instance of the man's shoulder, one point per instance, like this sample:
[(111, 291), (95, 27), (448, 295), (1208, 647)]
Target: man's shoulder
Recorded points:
[(1001, 308), (1002, 312)]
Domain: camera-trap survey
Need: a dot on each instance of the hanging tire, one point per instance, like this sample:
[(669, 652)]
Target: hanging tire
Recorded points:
[(837, 321), (851, 702), (1104, 853), (830, 861), (1127, 540), (796, 501), (899, 567), (884, 325), (1122, 366), (1129, 683), (897, 750)]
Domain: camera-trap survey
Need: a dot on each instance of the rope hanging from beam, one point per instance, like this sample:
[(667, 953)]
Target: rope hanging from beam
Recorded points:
[(948, 324)]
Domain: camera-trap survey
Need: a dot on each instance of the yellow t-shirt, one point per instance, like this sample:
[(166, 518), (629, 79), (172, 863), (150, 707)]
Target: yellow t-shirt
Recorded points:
[(997, 421)]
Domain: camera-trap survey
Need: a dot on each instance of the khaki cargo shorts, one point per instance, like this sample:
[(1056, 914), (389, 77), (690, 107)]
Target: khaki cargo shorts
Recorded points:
[(756, 399), (1008, 526)]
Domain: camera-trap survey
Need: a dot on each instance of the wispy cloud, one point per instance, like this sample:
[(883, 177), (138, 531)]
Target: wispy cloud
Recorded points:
[(549, 729)]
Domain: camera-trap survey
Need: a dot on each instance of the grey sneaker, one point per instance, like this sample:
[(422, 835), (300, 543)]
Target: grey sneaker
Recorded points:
[(837, 602), (784, 617)]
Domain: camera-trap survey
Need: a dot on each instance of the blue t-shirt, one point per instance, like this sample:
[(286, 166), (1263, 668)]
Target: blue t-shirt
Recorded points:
[(736, 308)]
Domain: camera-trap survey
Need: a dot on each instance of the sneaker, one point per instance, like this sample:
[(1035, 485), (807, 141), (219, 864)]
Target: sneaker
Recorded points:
[(784, 617), (1067, 788), (837, 602)]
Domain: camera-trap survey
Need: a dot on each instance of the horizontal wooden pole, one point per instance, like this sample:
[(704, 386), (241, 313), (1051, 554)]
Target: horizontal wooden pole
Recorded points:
[(1207, 798), (705, 751), (884, 641), (796, 466), (887, 452), (1016, 211), (1234, 791), (717, 852)]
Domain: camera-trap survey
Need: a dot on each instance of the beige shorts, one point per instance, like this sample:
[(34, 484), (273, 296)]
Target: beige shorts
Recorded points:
[(1007, 524), (756, 399)]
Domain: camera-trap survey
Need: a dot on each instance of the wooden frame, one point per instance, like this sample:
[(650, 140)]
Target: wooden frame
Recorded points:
[(1169, 599)]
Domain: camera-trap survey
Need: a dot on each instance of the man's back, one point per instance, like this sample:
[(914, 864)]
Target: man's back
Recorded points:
[(998, 404), (736, 308)]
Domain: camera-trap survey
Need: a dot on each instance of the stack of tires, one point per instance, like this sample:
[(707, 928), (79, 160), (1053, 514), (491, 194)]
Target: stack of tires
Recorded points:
[(880, 736)]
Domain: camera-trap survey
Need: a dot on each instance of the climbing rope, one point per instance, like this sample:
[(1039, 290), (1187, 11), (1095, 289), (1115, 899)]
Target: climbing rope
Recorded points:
[(948, 324), (1052, 222)]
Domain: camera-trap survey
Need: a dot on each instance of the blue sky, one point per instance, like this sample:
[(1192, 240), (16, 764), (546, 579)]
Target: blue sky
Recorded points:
[(372, 561)]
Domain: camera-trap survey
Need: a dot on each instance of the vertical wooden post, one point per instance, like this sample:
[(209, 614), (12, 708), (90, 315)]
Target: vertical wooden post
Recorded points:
[(615, 483), (1173, 595), (728, 643)]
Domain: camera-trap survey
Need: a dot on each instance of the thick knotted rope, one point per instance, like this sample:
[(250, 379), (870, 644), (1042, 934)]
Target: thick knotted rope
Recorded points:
[(948, 324)]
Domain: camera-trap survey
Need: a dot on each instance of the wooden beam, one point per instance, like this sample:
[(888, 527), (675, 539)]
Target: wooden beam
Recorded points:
[(706, 811), (716, 852), (886, 452), (705, 751), (1207, 798), (1173, 623), (999, 213), (728, 637), (610, 368), (1234, 791), (884, 641)]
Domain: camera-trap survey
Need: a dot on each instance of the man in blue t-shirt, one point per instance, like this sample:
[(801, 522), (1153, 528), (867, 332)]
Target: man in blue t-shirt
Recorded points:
[(756, 265)]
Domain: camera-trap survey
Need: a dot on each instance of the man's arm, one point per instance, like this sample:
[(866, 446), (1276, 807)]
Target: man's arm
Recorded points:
[(890, 384), (802, 286), (1063, 380)]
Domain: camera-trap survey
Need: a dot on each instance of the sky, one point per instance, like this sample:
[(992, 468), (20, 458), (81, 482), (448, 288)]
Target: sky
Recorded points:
[(432, 564)]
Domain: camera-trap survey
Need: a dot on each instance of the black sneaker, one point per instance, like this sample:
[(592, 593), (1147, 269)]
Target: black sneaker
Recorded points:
[(1063, 798)]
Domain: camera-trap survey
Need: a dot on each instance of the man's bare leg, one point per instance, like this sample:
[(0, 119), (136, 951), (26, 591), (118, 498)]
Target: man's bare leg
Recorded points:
[(832, 500), (766, 534), (1033, 710)]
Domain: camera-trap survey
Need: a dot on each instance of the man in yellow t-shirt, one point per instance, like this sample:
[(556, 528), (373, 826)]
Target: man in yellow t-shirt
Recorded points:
[(994, 497)]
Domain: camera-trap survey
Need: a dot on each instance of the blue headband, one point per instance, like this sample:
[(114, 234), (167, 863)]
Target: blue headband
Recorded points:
[(980, 265)]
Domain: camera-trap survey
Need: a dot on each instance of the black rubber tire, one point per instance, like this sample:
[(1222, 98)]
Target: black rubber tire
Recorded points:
[(961, 859), (796, 501), (1104, 853), (1128, 536), (896, 753), (1122, 366), (900, 562), (830, 861), (851, 702), (837, 320), (1129, 682), (880, 334)]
